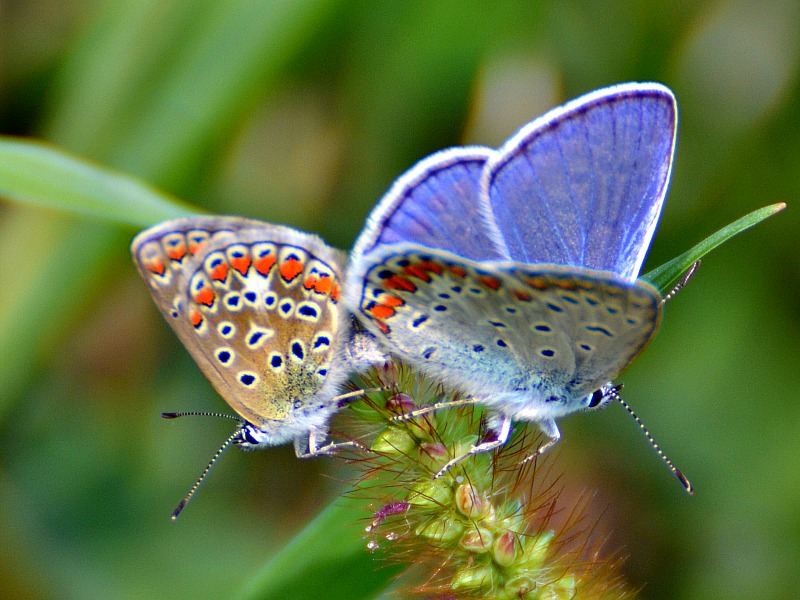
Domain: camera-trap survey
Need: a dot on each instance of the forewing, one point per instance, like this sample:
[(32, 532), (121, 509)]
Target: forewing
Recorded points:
[(584, 184), (436, 203), (255, 304)]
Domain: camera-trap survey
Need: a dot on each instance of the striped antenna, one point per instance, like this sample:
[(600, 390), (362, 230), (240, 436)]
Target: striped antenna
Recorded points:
[(225, 445), (687, 275), (614, 393)]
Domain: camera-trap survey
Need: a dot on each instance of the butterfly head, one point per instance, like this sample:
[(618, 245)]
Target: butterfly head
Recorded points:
[(251, 437), (600, 398)]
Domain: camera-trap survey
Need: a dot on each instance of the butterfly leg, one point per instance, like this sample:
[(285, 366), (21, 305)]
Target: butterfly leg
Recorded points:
[(550, 429), (428, 409), (499, 423), (355, 394), (311, 447)]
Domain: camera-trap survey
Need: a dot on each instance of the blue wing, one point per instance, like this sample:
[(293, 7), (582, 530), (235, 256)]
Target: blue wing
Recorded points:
[(583, 185), (438, 204)]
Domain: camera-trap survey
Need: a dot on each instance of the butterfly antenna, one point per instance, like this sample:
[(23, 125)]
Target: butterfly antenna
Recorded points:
[(182, 504), (175, 415), (614, 393), (222, 448), (687, 275)]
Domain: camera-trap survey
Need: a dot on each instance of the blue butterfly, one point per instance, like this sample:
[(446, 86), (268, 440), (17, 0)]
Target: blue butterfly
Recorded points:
[(511, 274)]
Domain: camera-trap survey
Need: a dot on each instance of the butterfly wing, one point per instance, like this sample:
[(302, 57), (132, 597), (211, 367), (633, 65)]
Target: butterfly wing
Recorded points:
[(584, 184), (532, 339), (436, 203), (256, 305)]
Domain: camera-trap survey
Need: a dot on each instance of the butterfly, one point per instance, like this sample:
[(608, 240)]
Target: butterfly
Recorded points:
[(511, 274), (258, 307)]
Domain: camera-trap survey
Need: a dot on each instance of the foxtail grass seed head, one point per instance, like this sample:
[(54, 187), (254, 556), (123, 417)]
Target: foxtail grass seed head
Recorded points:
[(487, 528)]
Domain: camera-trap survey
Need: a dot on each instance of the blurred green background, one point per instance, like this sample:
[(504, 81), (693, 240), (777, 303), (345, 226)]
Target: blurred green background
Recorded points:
[(303, 112)]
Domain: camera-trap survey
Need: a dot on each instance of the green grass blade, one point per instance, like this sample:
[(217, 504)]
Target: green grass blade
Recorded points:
[(328, 559), (248, 62), (39, 174), (668, 274)]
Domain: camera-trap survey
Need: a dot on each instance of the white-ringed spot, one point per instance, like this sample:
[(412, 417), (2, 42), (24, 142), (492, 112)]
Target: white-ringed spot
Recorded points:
[(225, 356), (270, 300), (599, 330), (258, 336), (226, 330), (248, 379), (286, 307), (233, 301), (556, 308), (308, 311), (321, 342), (297, 351), (250, 298), (569, 298), (276, 362), (419, 322)]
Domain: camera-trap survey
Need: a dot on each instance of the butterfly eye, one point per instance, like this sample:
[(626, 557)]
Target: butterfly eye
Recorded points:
[(248, 437), (596, 398)]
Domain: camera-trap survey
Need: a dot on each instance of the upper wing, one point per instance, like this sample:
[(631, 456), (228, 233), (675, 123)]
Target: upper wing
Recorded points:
[(436, 203), (584, 184)]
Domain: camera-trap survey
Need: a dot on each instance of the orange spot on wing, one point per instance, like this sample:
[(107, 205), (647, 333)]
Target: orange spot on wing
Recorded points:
[(519, 295), (385, 329), (291, 268), (381, 311), (177, 251), (324, 284), (335, 290), (490, 282), (536, 282), (565, 284), (205, 297), (220, 272), (264, 264), (196, 246), (195, 318), (156, 266), (309, 282), (241, 264), (392, 301), (396, 282), (458, 271), (431, 266), (418, 272)]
